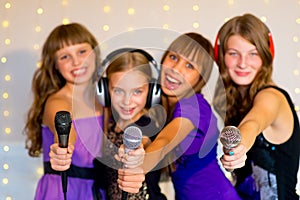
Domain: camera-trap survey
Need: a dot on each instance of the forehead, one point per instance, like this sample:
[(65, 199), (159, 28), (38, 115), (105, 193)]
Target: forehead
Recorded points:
[(128, 79), (237, 39)]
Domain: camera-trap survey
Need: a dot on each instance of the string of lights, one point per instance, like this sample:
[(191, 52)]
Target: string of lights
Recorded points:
[(106, 19)]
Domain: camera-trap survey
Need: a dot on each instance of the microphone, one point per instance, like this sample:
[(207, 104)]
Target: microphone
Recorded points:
[(230, 137), (63, 123), (132, 138)]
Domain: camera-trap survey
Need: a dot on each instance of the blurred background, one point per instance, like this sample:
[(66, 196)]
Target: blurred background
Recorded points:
[(24, 26)]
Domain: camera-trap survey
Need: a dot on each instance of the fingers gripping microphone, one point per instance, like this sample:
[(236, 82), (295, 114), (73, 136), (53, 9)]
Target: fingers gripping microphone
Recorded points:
[(230, 137), (132, 138), (63, 123)]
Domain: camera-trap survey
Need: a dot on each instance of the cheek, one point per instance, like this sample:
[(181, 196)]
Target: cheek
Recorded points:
[(59, 66), (166, 65), (230, 72), (141, 100), (192, 79), (229, 63), (113, 98), (257, 64)]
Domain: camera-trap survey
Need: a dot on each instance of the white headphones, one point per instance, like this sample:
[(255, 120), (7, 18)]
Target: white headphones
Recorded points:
[(102, 93)]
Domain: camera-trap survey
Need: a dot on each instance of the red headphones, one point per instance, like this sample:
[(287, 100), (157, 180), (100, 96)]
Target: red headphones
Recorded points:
[(217, 43)]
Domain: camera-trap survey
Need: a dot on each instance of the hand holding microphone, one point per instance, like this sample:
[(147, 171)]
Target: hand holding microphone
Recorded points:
[(132, 139), (230, 137), (63, 123)]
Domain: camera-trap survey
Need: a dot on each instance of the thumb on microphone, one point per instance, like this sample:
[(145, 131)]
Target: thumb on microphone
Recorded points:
[(134, 158)]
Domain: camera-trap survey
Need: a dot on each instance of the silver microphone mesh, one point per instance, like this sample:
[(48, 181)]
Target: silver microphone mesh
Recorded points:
[(132, 137), (230, 137)]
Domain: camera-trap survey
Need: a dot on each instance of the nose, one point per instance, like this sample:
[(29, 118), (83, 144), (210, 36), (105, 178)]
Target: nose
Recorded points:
[(178, 65), (76, 60), (242, 62), (127, 99)]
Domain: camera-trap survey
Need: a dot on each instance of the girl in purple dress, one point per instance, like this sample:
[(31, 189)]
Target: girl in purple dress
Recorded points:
[(191, 132), (64, 82)]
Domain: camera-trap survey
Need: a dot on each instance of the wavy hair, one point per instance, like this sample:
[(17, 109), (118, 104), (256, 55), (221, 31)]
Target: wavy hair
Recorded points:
[(231, 106), (47, 79)]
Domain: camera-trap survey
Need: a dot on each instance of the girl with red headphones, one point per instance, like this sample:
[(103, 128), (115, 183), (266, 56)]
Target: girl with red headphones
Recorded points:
[(247, 97)]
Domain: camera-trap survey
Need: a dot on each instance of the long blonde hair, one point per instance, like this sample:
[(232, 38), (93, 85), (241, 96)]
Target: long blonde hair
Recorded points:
[(123, 62)]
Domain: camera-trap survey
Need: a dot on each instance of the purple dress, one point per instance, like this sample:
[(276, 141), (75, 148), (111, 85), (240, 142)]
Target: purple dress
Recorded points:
[(81, 175), (198, 174)]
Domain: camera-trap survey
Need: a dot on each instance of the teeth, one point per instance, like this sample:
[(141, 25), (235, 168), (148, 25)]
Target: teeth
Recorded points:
[(80, 71), (171, 79)]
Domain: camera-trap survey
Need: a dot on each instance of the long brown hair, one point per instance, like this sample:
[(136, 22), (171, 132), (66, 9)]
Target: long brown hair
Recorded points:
[(47, 80), (231, 106)]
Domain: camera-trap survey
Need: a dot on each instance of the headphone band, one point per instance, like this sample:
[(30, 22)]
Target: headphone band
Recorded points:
[(111, 55), (102, 92)]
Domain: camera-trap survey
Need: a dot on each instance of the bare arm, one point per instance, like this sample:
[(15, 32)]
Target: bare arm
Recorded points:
[(60, 158), (265, 110), (166, 140), (53, 105), (169, 137), (264, 116)]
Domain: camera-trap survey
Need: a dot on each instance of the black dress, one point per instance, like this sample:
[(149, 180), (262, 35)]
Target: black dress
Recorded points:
[(150, 188), (280, 161)]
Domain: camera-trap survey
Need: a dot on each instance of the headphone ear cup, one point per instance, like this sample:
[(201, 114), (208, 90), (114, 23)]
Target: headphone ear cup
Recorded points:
[(154, 94), (216, 48), (272, 48), (102, 93)]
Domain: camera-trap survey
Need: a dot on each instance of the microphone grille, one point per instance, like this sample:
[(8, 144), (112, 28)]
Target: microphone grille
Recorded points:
[(132, 137), (62, 122), (230, 137)]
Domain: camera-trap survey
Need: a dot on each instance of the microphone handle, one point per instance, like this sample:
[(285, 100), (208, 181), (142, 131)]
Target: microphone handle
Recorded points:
[(64, 181), (63, 143), (124, 195)]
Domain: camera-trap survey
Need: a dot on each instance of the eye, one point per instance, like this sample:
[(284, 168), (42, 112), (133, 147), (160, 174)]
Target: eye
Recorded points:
[(137, 91), (253, 54), (173, 57), (83, 51), (190, 66), (232, 53), (117, 91), (63, 57)]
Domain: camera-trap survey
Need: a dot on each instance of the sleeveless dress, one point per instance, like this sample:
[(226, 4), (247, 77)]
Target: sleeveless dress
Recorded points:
[(198, 174), (85, 174), (272, 169)]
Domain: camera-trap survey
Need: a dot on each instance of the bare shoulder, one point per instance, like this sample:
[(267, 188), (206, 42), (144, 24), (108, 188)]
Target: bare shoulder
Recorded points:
[(56, 102), (270, 96), (276, 103)]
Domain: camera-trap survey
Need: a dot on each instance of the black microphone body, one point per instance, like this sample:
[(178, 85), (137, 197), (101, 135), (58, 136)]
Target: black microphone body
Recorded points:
[(230, 137), (63, 123), (132, 138)]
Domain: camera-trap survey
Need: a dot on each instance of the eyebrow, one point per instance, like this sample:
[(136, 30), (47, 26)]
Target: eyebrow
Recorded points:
[(255, 49)]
